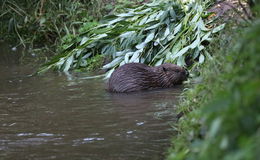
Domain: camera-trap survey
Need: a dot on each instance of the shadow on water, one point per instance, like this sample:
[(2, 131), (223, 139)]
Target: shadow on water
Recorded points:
[(58, 116)]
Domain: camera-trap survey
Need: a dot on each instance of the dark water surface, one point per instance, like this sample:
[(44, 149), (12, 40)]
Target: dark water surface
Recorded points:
[(59, 116)]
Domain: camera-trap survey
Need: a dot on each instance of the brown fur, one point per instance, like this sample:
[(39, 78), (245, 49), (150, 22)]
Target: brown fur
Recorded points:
[(137, 76)]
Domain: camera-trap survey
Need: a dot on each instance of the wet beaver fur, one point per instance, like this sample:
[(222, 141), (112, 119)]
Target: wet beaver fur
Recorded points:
[(137, 76)]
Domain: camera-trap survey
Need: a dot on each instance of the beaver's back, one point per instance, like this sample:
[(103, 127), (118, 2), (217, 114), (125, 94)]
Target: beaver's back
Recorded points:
[(131, 77), (136, 76)]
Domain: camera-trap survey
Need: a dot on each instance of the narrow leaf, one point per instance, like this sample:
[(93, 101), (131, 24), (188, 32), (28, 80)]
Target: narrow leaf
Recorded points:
[(149, 38), (112, 64), (195, 43), (68, 63), (218, 28), (202, 58), (108, 74), (177, 29), (181, 52), (141, 45), (135, 56)]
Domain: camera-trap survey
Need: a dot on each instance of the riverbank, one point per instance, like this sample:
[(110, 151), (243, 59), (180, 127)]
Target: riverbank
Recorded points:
[(221, 112)]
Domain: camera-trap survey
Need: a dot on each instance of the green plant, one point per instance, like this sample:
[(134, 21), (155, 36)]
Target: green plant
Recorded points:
[(95, 62), (120, 5), (154, 33), (221, 118), (44, 22)]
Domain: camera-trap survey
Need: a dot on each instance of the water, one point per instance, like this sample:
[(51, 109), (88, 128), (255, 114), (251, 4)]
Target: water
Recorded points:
[(59, 116)]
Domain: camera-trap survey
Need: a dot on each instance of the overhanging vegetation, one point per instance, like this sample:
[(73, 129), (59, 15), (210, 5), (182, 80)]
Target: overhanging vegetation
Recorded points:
[(154, 33)]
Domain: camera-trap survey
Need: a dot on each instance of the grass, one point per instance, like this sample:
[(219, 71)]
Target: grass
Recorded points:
[(45, 22), (222, 113)]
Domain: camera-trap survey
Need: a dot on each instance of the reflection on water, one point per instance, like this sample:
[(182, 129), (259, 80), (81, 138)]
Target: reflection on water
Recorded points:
[(57, 116)]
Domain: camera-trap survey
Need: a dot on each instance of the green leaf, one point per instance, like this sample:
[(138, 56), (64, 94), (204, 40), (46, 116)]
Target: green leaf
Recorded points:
[(166, 33), (141, 45), (159, 62), (173, 13), (159, 15), (143, 21), (149, 38), (152, 18), (127, 55), (83, 40), (181, 52), (153, 26), (206, 37), (176, 48), (201, 25), (99, 36), (112, 64), (201, 58), (224, 143), (181, 61), (177, 29), (108, 74), (143, 11), (78, 53), (126, 34), (42, 21), (195, 18), (86, 55), (116, 20), (214, 128), (129, 14), (195, 43), (68, 63), (135, 56), (60, 62), (201, 47), (218, 28)]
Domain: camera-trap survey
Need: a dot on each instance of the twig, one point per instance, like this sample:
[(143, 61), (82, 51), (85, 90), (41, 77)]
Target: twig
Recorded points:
[(41, 8), (244, 9), (237, 11)]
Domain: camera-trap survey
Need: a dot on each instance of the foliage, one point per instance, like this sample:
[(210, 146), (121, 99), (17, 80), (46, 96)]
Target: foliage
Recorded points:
[(38, 22), (47, 21), (154, 33), (95, 62), (120, 5), (223, 111)]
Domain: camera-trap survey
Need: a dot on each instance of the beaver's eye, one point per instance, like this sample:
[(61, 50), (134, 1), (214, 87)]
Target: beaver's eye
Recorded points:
[(177, 71), (164, 69)]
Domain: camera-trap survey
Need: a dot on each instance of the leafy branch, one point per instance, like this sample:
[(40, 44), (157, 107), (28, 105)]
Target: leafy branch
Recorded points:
[(153, 33)]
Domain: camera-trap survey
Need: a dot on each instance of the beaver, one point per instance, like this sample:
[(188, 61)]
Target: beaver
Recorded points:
[(137, 76)]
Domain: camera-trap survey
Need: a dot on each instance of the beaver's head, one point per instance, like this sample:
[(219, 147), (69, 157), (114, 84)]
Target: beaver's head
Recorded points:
[(171, 74)]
